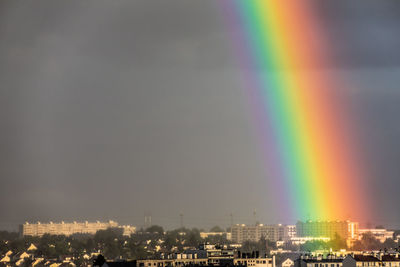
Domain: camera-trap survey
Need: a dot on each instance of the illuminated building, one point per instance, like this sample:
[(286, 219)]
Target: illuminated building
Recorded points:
[(330, 229), (275, 232), (67, 229)]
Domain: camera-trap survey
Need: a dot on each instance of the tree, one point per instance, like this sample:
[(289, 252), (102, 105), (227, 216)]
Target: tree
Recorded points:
[(110, 234), (155, 229), (389, 244), (216, 229), (367, 242), (337, 243), (250, 246), (314, 245), (193, 238)]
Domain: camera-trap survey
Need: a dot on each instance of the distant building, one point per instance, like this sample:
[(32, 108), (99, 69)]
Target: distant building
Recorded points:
[(276, 232), (67, 229), (380, 234), (287, 259), (361, 261), (303, 240), (318, 262), (287, 263), (210, 255), (390, 260), (290, 231), (330, 229), (208, 234), (375, 260), (171, 262), (217, 254), (128, 230), (204, 235), (255, 262)]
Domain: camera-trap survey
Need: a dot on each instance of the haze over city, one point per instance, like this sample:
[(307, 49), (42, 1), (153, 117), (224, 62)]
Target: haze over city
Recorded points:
[(117, 110)]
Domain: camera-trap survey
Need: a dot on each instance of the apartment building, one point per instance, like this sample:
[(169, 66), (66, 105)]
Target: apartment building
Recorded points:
[(328, 229), (275, 232), (67, 229)]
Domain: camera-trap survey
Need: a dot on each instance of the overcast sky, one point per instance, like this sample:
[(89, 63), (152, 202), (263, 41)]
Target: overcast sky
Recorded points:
[(113, 109)]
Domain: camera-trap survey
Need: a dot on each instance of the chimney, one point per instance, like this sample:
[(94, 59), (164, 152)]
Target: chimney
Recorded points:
[(380, 255)]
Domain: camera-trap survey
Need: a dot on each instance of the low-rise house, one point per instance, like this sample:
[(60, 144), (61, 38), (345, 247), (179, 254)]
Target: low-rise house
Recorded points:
[(170, 262), (6, 258), (32, 248), (286, 259), (37, 261), (19, 262), (255, 262), (390, 260), (308, 261), (21, 255), (361, 261), (287, 263)]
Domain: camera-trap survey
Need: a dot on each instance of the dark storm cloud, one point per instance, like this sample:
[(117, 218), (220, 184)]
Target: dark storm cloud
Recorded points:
[(362, 33), (110, 109)]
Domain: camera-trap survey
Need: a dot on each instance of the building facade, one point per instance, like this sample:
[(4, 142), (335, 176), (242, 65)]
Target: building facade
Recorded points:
[(318, 262), (242, 232), (255, 262), (328, 229), (67, 229)]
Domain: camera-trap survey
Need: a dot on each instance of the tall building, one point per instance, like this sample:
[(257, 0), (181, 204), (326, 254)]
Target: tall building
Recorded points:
[(330, 229), (242, 232), (290, 232), (39, 229)]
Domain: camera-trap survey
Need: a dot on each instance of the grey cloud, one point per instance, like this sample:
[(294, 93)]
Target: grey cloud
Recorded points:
[(113, 108)]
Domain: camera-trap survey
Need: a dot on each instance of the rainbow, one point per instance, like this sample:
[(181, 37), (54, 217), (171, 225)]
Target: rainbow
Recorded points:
[(307, 138)]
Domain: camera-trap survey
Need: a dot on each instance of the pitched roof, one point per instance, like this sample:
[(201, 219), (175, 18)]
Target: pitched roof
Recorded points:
[(365, 258), (32, 247), (389, 258), (285, 256), (337, 260)]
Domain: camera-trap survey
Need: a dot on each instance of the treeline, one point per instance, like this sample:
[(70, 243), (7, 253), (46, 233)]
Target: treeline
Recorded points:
[(368, 242), (111, 243)]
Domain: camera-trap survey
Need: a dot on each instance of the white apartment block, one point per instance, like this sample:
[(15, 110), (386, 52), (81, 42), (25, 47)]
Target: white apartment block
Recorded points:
[(67, 229), (276, 232)]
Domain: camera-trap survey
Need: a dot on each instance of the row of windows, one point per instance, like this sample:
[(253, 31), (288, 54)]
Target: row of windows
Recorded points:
[(149, 264), (326, 265), (253, 261)]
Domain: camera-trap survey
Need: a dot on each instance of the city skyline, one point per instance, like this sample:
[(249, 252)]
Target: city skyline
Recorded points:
[(147, 221)]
